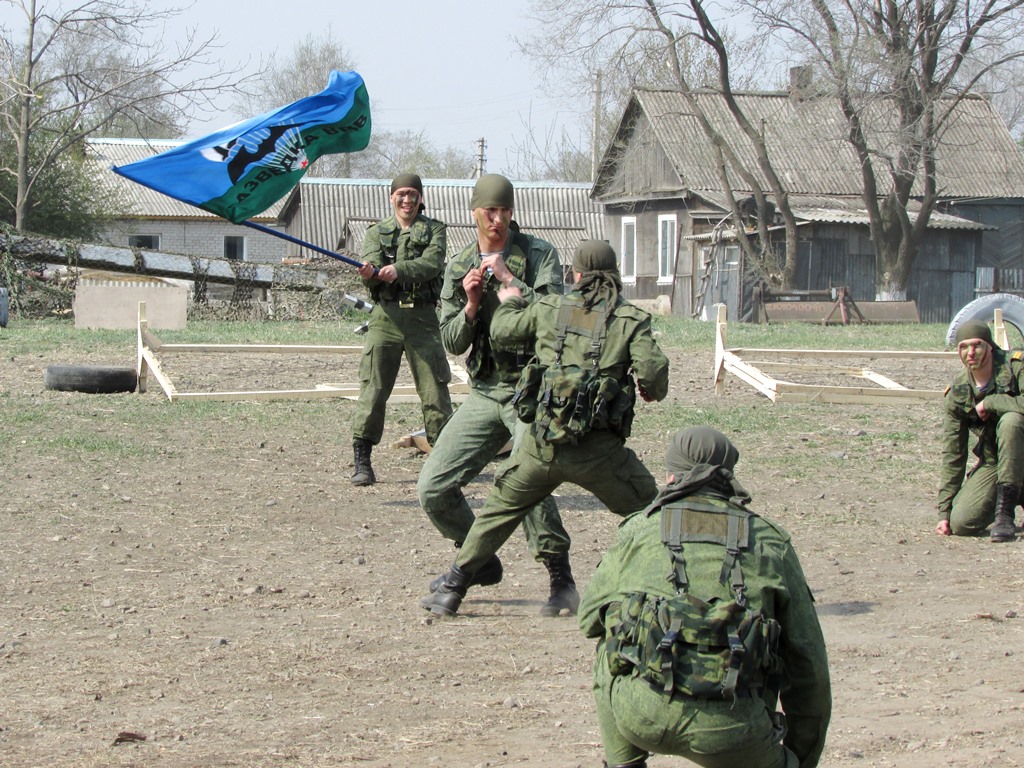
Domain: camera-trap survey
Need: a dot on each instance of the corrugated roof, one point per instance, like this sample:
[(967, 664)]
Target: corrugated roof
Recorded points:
[(334, 211), (145, 202), (850, 210), (977, 157)]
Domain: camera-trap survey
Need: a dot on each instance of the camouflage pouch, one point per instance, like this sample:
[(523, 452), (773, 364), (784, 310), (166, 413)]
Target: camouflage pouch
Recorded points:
[(704, 649), (621, 407), (566, 406), (526, 398)]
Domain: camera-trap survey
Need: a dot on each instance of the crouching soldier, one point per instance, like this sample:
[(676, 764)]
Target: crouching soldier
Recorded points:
[(694, 665)]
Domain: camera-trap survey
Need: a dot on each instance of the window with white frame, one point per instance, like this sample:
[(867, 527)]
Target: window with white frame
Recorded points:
[(145, 242), (628, 249), (666, 247), (234, 247)]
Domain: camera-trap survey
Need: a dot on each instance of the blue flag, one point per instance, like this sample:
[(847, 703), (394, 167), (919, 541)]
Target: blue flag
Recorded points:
[(240, 171)]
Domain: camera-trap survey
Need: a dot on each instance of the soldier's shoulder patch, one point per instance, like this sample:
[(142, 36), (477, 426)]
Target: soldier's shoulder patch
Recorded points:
[(1017, 355), (946, 391)]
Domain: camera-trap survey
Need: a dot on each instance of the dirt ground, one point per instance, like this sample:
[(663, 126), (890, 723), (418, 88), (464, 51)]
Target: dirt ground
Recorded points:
[(219, 595)]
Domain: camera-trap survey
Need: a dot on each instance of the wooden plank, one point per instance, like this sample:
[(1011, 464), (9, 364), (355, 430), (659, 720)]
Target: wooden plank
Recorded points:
[(881, 380), (153, 364), (299, 349), (913, 354)]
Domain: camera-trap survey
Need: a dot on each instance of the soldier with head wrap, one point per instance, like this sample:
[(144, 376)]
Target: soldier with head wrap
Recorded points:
[(482, 425), (577, 397), (695, 664), (986, 399), (403, 256)]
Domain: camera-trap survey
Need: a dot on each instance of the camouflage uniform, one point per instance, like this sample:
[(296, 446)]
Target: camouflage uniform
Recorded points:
[(483, 424), (404, 320), (600, 461), (968, 502), (636, 718)]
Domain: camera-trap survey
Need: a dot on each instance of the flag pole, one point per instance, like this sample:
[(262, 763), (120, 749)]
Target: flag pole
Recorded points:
[(303, 243)]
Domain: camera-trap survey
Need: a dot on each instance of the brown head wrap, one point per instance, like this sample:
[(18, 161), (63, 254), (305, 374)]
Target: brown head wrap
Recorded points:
[(701, 459), (492, 191), (599, 268)]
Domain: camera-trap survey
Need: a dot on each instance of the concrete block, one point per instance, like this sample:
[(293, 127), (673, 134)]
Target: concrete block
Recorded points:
[(113, 302)]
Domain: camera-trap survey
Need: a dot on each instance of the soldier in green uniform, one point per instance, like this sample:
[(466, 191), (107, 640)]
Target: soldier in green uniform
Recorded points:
[(403, 258), (483, 423), (985, 399), (695, 664), (578, 396)]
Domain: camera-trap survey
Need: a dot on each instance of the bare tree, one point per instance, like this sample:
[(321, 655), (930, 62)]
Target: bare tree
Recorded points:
[(555, 156), (678, 46), (80, 68), (899, 69), (305, 71), (395, 152)]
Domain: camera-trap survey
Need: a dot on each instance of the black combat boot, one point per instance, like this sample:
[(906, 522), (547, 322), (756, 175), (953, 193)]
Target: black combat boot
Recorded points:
[(490, 573), (363, 475), (563, 589), (1006, 500), (447, 598), (640, 763)]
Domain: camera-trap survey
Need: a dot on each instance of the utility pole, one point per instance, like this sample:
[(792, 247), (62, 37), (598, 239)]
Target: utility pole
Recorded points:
[(595, 143), (481, 158)]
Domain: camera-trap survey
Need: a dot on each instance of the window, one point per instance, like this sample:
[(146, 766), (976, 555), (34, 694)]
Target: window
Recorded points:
[(146, 242), (666, 247), (628, 249), (234, 247)]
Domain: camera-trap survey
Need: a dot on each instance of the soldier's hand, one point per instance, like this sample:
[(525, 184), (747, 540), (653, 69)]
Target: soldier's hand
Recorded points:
[(943, 528), (388, 273), (366, 271), (643, 392), (473, 285), (982, 411), (497, 266)]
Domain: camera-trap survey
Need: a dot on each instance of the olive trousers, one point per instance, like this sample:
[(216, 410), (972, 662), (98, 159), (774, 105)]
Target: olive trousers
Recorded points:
[(471, 438), (601, 464), (974, 506), (394, 331), (636, 720)]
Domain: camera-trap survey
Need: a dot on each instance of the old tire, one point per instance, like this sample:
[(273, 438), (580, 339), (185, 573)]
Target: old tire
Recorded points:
[(983, 308), (94, 380)]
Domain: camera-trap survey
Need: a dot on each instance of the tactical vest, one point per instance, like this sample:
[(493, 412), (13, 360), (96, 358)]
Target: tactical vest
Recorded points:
[(705, 649), (568, 401), (1004, 382), (420, 235), (485, 357)]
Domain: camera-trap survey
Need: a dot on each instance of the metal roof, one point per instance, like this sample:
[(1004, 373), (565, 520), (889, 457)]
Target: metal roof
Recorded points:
[(144, 202), (847, 210), (331, 212), (976, 158)]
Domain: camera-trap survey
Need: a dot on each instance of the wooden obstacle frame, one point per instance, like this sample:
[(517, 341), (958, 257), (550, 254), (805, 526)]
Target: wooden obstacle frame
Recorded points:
[(151, 349), (757, 366)]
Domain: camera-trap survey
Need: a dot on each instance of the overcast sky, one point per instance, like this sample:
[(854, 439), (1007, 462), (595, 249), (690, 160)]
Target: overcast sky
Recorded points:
[(449, 67)]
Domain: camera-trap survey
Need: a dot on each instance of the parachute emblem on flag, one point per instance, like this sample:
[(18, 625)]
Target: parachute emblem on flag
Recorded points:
[(278, 149)]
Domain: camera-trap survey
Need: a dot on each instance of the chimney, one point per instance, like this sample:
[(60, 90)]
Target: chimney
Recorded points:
[(800, 81)]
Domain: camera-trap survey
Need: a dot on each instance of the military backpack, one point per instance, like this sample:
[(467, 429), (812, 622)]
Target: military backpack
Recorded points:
[(708, 649), (567, 401)]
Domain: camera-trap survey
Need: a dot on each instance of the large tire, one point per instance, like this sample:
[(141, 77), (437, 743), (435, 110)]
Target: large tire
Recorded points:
[(94, 380), (984, 307)]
